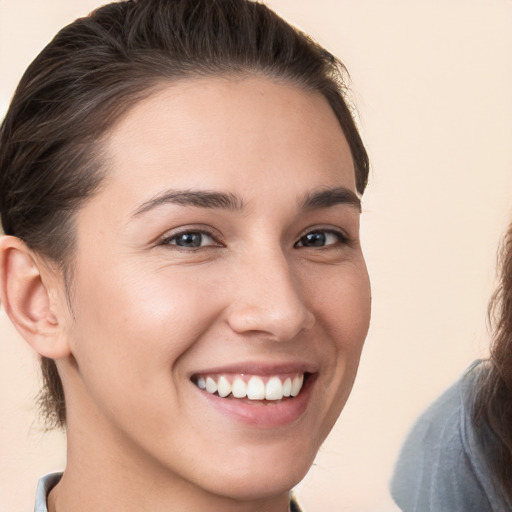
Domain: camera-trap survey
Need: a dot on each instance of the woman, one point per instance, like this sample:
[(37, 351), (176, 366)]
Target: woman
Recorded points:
[(180, 189), (458, 456)]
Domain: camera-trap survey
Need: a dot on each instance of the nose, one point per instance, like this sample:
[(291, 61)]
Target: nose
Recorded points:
[(268, 299)]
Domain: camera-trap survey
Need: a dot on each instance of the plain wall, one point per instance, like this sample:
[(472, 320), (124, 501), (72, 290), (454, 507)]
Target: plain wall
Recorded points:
[(433, 81)]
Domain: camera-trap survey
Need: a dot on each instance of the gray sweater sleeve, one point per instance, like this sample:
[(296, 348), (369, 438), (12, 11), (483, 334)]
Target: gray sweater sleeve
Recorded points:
[(437, 470)]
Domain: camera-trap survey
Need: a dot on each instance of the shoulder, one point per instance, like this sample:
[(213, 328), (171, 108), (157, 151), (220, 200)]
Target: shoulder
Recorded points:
[(439, 465)]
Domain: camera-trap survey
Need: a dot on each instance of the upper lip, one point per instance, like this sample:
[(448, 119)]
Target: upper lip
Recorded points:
[(261, 368)]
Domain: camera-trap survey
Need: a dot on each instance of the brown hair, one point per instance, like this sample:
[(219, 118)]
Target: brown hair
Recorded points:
[(95, 69), (493, 399)]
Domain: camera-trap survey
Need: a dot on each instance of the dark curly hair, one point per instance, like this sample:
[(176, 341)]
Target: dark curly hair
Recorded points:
[(493, 399)]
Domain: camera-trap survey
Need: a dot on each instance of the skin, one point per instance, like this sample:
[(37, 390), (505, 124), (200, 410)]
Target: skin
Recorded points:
[(148, 314)]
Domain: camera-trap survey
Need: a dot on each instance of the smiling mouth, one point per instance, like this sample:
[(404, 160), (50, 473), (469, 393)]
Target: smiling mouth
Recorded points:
[(255, 388)]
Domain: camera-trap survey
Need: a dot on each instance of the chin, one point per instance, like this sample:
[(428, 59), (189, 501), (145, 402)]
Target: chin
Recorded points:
[(261, 484), (265, 472)]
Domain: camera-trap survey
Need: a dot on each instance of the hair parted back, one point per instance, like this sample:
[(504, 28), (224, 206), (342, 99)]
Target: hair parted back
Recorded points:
[(493, 399), (95, 70)]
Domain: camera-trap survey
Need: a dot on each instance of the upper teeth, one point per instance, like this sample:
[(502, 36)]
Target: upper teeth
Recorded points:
[(254, 389)]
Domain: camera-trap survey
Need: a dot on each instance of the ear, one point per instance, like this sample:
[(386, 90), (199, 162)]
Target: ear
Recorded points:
[(28, 294)]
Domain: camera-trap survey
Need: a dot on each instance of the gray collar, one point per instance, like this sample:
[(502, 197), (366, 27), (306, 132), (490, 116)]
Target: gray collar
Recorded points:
[(45, 485)]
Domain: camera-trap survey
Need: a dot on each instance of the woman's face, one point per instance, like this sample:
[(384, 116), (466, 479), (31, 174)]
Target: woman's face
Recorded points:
[(222, 251)]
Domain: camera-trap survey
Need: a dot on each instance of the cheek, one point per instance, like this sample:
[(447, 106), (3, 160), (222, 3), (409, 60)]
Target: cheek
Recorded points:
[(355, 299), (343, 306), (139, 322), (343, 312), (132, 331), (346, 317)]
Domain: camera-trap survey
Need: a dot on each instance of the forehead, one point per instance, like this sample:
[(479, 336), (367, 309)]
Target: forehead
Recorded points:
[(233, 128)]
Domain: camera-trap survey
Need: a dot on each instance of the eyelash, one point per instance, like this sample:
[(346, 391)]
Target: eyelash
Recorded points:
[(169, 240), (341, 239)]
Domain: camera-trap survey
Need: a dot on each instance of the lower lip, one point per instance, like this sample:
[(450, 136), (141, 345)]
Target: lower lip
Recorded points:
[(263, 414)]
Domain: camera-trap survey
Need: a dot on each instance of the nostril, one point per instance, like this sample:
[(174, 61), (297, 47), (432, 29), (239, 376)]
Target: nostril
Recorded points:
[(309, 321)]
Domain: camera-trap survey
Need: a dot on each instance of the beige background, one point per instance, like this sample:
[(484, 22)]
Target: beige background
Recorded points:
[(433, 81)]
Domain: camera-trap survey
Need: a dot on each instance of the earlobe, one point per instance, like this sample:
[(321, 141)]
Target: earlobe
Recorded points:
[(27, 300)]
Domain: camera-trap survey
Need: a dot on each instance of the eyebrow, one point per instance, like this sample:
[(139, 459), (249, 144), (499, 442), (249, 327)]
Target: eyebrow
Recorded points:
[(327, 198), (197, 198), (315, 200)]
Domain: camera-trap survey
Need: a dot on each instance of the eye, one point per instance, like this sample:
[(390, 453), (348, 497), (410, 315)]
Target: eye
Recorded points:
[(321, 238), (191, 240)]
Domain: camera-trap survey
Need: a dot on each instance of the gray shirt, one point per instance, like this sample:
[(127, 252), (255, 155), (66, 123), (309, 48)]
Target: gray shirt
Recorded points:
[(441, 466)]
